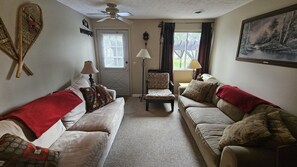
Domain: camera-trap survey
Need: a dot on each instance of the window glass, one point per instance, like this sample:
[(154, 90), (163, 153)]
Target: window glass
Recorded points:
[(186, 48), (113, 50)]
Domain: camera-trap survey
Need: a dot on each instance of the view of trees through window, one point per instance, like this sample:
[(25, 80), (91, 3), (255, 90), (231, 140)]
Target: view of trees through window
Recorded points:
[(186, 48)]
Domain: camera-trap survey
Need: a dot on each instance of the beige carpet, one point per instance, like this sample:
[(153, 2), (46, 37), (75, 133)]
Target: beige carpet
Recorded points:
[(153, 139)]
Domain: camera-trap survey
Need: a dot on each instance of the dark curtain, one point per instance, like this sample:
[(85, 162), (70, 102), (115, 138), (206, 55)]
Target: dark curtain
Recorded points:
[(167, 32), (204, 49)]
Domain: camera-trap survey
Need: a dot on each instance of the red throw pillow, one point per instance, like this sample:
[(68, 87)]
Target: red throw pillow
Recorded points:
[(96, 97), (17, 152)]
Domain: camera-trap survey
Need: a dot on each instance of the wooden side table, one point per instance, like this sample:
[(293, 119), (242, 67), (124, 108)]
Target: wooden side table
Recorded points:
[(182, 86)]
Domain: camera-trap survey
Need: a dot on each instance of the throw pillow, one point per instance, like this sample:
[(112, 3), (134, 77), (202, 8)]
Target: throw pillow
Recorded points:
[(211, 92), (96, 97), (248, 132), (280, 134), (14, 151), (197, 90)]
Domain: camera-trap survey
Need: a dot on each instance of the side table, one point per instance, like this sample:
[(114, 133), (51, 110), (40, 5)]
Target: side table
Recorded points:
[(182, 86)]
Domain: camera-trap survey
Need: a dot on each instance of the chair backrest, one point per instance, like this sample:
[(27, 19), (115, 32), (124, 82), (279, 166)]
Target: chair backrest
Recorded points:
[(158, 80)]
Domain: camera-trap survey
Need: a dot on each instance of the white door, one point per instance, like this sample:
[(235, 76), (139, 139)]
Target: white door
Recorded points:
[(113, 57)]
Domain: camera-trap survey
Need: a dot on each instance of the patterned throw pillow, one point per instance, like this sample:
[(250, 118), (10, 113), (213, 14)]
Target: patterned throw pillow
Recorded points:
[(14, 151), (96, 97), (197, 90), (280, 135), (211, 92), (248, 132)]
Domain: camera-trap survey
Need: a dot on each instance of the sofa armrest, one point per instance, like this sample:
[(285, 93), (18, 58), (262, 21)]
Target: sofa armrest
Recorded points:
[(238, 156), (286, 155), (181, 89), (113, 93)]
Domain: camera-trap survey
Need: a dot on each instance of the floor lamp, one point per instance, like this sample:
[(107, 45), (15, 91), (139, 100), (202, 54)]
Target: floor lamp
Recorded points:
[(194, 64), (144, 54)]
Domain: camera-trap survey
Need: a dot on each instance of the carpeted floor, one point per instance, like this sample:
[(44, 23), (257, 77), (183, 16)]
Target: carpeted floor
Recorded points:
[(154, 138)]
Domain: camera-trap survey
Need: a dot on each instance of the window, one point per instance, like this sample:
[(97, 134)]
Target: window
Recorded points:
[(113, 50), (186, 48)]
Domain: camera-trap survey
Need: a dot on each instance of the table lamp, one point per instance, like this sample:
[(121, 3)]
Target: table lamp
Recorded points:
[(90, 69), (194, 64)]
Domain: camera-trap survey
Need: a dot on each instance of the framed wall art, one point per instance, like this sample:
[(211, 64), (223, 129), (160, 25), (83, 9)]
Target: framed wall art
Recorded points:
[(270, 38)]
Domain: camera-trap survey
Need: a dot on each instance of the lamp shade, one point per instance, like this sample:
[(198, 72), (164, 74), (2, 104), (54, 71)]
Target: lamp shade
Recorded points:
[(89, 68), (144, 54), (194, 64)]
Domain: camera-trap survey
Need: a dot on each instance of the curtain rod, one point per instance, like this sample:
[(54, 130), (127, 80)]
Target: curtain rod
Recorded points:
[(188, 22)]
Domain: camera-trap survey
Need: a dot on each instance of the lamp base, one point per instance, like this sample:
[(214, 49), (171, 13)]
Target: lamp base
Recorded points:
[(91, 80), (193, 75)]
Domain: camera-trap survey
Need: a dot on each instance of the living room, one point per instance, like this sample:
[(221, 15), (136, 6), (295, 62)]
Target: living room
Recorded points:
[(57, 56)]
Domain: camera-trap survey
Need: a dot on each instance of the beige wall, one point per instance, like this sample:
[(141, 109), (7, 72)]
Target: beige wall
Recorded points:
[(56, 57), (274, 83)]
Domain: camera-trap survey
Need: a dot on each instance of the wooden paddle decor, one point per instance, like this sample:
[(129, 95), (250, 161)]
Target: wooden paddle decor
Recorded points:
[(30, 24), (6, 45)]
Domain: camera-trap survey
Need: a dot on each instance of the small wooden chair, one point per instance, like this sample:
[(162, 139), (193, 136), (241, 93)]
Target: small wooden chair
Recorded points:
[(159, 88)]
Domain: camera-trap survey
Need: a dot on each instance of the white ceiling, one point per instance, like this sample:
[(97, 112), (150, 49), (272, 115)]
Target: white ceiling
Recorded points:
[(159, 9)]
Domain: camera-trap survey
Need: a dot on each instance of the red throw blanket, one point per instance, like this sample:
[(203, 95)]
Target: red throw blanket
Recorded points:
[(239, 98), (42, 113)]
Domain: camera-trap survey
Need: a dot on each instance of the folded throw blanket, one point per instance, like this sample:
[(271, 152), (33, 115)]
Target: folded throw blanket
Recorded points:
[(42, 113), (241, 99)]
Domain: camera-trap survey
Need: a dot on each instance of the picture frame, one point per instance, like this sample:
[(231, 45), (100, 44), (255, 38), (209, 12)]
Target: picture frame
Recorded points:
[(270, 38)]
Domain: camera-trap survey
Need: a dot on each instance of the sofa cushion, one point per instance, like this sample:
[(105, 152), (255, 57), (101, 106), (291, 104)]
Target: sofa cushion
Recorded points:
[(158, 80), (197, 90), (210, 135), (50, 136), (96, 97), (17, 128), (102, 119), (186, 102), (74, 115), (247, 132), (230, 110), (280, 135), (161, 94), (15, 151), (79, 149), (207, 116)]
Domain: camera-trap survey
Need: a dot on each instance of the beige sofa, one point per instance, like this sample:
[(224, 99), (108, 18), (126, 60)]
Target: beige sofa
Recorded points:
[(83, 139), (207, 122)]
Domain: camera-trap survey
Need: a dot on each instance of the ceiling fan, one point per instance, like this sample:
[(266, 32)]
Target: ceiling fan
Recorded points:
[(112, 12)]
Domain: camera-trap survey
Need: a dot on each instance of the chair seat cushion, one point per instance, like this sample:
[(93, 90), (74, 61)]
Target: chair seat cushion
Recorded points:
[(160, 94)]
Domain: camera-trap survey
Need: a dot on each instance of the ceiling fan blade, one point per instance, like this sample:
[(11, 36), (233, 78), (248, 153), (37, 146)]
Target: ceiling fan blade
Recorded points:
[(103, 19), (96, 14), (125, 20), (124, 14)]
